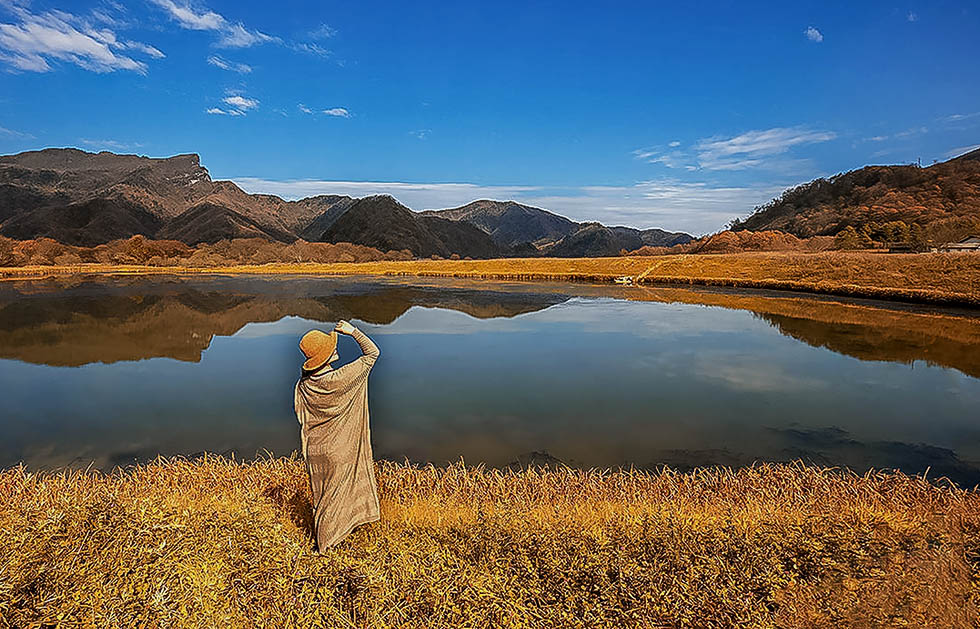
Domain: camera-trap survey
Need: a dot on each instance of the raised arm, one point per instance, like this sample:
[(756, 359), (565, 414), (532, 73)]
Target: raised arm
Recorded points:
[(369, 350)]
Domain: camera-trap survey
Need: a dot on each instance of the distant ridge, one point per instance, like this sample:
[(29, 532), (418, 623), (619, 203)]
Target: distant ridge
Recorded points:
[(384, 223), (85, 199), (534, 231)]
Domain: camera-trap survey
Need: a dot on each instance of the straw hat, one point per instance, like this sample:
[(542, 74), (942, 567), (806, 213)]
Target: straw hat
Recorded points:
[(318, 348)]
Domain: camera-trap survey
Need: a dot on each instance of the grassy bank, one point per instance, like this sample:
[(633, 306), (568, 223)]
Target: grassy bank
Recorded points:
[(214, 542), (927, 278)]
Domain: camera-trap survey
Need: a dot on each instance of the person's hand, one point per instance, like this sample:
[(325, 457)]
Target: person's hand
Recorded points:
[(344, 327)]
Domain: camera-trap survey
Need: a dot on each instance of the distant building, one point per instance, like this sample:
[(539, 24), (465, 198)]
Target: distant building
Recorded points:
[(967, 244)]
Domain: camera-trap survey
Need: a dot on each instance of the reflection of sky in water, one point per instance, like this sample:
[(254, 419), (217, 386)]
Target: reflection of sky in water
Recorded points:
[(591, 381)]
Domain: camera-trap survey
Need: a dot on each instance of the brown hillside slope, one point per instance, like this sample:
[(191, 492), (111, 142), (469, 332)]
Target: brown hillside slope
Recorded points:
[(943, 198), (40, 191)]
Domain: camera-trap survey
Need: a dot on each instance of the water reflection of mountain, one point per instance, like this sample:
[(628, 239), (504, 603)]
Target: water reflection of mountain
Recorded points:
[(870, 342), (72, 322), (120, 320), (858, 328)]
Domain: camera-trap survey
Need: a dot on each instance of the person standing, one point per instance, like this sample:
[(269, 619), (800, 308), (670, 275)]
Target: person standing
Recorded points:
[(332, 410)]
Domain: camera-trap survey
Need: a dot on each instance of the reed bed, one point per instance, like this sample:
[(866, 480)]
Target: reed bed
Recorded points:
[(214, 542)]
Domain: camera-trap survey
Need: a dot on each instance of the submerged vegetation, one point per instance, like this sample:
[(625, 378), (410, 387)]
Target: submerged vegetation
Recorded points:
[(190, 543)]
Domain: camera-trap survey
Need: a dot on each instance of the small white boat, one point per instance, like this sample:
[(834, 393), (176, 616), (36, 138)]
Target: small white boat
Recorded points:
[(624, 279)]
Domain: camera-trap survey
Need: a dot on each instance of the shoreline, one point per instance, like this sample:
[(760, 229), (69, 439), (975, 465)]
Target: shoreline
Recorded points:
[(939, 279)]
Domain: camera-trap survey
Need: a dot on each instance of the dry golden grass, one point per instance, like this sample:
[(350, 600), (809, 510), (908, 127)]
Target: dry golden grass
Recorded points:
[(930, 278), (218, 543)]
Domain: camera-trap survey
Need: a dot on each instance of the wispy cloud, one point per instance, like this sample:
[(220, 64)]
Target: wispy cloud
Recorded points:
[(324, 31), (15, 134), (217, 111), (230, 34), (754, 148), (813, 34), (669, 156), (115, 145), (240, 103), (336, 112), (910, 132), (33, 41), (312, 48), (899, 135), (958, 117), (698, 207), (912, 17), (420, 134), (231, 66)]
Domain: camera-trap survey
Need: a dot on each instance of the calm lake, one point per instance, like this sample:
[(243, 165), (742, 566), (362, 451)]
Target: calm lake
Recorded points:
[(105, 372)]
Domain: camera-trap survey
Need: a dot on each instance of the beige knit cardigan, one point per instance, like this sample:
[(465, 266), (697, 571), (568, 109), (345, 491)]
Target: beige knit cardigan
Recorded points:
[(332, 408)]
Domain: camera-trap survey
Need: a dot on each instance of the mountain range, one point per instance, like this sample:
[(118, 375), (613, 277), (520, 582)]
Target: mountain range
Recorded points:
[(86, 199)]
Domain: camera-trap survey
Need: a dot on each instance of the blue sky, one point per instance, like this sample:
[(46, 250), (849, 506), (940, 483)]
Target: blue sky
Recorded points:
[(642, 114)]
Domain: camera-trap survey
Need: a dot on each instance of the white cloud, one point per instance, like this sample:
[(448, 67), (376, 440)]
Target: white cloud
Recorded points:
[(15, 134), (753, 148), (237, 36), (188, 18), (225, 112), (241, 103), (895, 136), (958, 117), (324, 31), (813, 34), (672, 158), (143, 48), (910, 132), (231, 66), (312, 48), (115, 145), (230, 35), (303, 108), (420, 134), (666, 203), (338, 112), (37, 39)]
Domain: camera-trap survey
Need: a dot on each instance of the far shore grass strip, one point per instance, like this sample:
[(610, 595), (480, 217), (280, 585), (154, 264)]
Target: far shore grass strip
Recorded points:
[(944, 279)]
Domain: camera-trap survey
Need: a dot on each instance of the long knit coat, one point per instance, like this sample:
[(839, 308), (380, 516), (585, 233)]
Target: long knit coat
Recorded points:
[(332, 408)]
